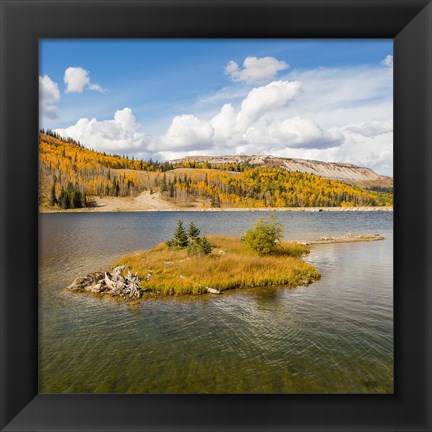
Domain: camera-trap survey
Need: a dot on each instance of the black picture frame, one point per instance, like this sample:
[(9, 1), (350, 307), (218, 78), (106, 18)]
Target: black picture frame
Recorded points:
[(408, 22)]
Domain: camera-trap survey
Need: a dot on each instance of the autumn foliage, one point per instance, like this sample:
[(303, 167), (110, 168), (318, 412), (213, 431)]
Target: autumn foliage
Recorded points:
[(66, 165), (68, 168)]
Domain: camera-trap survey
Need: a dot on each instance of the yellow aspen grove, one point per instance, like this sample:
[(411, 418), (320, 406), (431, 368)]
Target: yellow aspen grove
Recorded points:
[(66, 167)]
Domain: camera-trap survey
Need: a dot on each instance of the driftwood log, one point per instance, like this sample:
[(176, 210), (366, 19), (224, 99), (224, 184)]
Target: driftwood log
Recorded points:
[(115, 284), (110, 283), (208, 289)]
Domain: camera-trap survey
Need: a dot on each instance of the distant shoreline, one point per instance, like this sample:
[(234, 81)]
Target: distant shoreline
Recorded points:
[(153, 201), (195, 209)]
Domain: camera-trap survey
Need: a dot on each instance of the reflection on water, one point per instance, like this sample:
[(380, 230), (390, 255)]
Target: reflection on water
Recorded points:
[(334, 336)]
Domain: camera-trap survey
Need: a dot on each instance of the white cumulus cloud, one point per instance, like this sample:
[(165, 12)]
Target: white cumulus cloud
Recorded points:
[(224, 124), (369, 150), (255, 69), (119, 135), (372, 129), (261, 100), (259, 125), (49, 94), (295, 132), (388, 61), (329, 114), (187, 132), (77, 79)]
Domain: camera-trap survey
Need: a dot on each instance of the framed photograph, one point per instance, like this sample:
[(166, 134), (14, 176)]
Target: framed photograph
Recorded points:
[(216, 216)]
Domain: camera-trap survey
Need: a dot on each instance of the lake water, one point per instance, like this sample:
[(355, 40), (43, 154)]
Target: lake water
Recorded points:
[(334, 336)]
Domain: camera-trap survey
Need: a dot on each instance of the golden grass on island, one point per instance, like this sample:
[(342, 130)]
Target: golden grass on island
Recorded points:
[(231, 264)]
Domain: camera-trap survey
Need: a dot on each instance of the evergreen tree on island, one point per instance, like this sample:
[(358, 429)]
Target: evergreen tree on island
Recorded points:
[(193, 232), (205, 246), (191, 240), (179, 239)]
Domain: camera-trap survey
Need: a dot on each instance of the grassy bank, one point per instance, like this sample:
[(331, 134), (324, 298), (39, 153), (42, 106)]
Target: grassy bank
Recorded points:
[(231, 264)]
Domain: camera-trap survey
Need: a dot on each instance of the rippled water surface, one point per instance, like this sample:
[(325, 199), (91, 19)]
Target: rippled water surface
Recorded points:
[(335, 336)]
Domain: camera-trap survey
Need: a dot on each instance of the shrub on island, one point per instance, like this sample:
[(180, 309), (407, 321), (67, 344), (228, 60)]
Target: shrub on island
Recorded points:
[(265, 235), (166, 271), (189, 263)]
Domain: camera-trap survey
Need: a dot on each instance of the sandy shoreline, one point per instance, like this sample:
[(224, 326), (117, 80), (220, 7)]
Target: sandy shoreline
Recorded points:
[(146, 202), (194, 209)]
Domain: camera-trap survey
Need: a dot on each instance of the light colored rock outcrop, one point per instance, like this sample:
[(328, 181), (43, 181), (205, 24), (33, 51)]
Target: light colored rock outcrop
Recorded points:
[(346, 238), (345, 172)]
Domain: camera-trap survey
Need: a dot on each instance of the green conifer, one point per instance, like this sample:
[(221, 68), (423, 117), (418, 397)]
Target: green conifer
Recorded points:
[(193, 232), (64, 199), (164, 186), (205, 246), (53, 199), (179, 239)]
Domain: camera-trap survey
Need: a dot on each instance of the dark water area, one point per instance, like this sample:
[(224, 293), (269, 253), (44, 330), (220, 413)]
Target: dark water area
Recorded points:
[(334, 336)]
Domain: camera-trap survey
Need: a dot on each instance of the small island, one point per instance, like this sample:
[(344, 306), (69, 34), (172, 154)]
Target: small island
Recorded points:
[(191, 264)]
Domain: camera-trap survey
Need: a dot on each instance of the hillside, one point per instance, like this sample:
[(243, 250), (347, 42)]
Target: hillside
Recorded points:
[(263, 186), (68, 171), (72, 176), (344, 172)]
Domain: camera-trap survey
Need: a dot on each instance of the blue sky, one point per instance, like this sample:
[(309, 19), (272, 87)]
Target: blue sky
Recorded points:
[(320, 99)]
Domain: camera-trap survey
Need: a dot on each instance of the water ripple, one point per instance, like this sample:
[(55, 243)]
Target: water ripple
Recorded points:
[(333, 336)]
